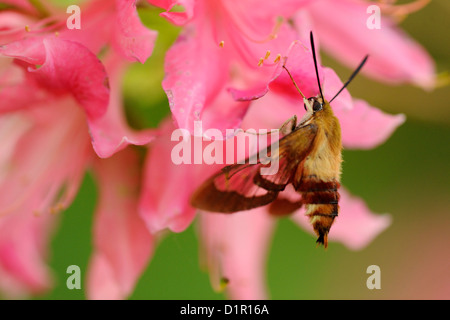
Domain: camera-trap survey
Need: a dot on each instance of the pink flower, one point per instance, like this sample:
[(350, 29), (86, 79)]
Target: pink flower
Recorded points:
[(60, 110), (118, 260), (233, 36), (165, 204)]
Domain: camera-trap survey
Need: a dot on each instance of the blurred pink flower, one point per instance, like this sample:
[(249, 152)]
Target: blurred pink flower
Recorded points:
[(118, 260), (60, 110), (234, 246)]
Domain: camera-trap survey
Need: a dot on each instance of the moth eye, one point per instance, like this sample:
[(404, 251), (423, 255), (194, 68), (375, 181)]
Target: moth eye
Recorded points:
[(317, 106)]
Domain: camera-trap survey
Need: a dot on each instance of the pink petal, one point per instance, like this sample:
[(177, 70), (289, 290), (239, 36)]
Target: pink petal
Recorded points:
[(366, 127), (234, 247), (117, 25), (251, 33), (122, 245), (356, 226), (30, 50), (111, 133), (12, 26), (102, 280), (70, 67), (252, 82), (194, 92), (12, 128), (272, 110), (249, 94), (394, 56), (98, 26), (177, 18), (132, 38), (282, 84), (66, 67), (283, 8), (224, 113), (300, 63), (24, 240), (163, 204), (19, 90), (189, 83), (28, 193)]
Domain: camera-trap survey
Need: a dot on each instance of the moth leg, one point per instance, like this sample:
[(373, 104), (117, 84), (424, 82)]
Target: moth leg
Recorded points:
[(289, 125)]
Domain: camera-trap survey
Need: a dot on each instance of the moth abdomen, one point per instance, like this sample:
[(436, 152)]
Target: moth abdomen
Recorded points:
[(311, 184), (322, 217), (321, 199), (315, 191)]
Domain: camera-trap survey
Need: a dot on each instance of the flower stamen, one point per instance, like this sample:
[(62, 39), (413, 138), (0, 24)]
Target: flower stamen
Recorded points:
[(277, 59), (57, 208), (261, 61)]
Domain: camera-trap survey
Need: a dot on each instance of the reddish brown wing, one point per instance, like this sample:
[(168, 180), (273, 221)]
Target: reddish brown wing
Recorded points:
[(241, 187)]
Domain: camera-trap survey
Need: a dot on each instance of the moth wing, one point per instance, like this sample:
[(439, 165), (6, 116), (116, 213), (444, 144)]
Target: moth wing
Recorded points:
[(239, 187)]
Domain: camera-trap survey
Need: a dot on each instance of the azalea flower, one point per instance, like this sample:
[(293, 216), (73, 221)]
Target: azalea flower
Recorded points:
[(346, 37), (61, 111), (249, 90), (236, 36)]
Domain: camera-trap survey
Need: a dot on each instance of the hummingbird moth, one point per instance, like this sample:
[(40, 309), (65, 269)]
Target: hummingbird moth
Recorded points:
[(309, 157)]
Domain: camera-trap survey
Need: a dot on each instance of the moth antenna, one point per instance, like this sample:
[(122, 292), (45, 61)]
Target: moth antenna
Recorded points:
[(293, 81), (351, 77), (315, 64)]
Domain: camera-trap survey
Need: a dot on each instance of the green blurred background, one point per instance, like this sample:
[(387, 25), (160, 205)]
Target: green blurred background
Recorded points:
[(408, 177)]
